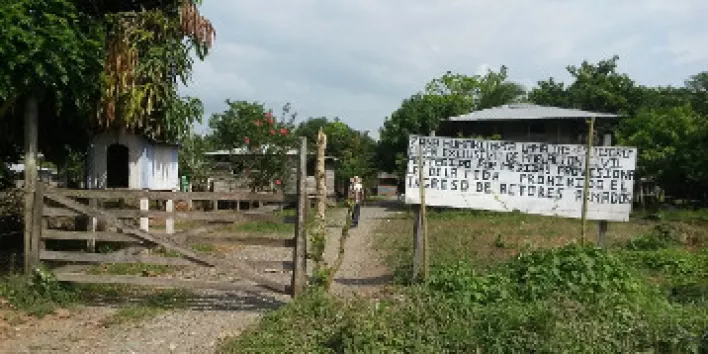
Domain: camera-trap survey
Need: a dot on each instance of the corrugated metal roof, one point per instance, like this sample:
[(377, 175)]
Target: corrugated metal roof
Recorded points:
[(528, 111), (244, 151)]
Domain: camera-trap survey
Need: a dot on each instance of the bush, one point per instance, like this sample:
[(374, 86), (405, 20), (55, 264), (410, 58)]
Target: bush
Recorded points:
[(669, 262), (37, 295), (576, 271), (663, 236), (571, 299)]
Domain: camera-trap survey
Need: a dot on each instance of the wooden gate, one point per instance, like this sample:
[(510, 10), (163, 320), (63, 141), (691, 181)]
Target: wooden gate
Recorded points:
[(115, 227)]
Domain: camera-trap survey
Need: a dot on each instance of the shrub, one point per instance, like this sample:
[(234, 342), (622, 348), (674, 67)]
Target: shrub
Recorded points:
[(571, 299), (663, 236), (576, 271), (37, 295)]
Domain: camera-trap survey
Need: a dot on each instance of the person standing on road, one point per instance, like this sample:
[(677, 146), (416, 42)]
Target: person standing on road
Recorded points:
[(356, 191)]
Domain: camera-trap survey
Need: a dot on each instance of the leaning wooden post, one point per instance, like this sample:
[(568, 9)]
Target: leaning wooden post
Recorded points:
[(170, 220), (299, 278), (423, 217), (30, 175), (602, 224), (586, 187), (144, 207), (38, 223)]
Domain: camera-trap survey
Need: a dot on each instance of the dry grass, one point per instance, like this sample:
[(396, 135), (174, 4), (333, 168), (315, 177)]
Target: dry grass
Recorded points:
[(485, 238)]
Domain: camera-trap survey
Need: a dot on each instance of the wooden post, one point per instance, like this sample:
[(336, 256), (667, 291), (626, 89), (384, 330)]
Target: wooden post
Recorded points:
[(423, 220), (602, 224), (37, 224), (31, 113), (586, 187), (190, 202), (417, 242), (144, 220), (92, 227), (320, 183), (299, 278), (170, 221)]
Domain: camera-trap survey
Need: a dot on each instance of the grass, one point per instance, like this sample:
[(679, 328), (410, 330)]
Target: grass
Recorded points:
[(262, 227), (41, 294), (515, 283), (150, 270), (204, 248), (148, 307), (131, 314)]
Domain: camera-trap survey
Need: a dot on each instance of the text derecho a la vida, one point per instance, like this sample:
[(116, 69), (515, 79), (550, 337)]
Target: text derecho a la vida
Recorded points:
[(536, 178)]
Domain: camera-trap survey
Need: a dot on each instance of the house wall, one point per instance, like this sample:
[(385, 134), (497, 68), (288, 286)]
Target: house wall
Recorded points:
[(330, 178), (151, 166), (165, 174), (97, 158)]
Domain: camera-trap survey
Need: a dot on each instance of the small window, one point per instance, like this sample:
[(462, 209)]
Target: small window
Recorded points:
[(537, 128)]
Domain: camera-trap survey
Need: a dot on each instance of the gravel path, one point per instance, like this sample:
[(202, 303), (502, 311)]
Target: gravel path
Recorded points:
[(362, 272), (210, 316)]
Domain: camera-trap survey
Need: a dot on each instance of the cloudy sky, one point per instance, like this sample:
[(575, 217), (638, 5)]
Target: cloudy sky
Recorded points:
[(357, 59)]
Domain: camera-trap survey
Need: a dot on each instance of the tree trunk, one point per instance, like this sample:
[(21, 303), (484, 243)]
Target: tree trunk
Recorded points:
[(321, 181)]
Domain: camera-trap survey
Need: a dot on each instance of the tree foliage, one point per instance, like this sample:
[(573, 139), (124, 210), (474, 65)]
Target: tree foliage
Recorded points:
[(259, 140), (354, 150), (148, 55), (667, 124), (444, 97), (672, 143), (596, 87), (71, 53)]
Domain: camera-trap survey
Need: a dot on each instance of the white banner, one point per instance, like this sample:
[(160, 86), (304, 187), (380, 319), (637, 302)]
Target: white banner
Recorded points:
[(533, 178)]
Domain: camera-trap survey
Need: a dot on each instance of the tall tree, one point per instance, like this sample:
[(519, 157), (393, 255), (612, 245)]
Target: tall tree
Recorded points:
[(444, 97), (697, 86), (596, 87), (72, 54), (354, 150), (672, 144), (259, 140), (50, 51)]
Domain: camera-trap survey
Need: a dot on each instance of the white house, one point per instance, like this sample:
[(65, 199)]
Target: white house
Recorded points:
[(127, 160)]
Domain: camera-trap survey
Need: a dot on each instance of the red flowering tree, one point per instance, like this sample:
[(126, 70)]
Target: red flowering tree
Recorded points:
[(259, 140)]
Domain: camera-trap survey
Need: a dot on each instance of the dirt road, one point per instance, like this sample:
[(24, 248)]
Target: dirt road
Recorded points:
[(362, 272), (209, 317)]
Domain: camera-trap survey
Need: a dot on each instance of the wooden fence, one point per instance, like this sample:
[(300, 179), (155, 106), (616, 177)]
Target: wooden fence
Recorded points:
[(113, 225)]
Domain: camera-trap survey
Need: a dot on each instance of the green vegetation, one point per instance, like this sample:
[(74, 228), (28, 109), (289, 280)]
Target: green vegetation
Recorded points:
[(515, 283), (41, 294), (204, 248), (148, 307), (37, 295), (133, 269), (265, 227)]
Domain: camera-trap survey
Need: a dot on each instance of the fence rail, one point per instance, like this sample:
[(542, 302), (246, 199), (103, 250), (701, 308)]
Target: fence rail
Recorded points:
[(165, 195), (104, 224)]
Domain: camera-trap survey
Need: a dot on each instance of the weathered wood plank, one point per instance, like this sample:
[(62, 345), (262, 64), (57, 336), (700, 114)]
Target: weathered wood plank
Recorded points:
[(165, 195), (156, 282), (246, 241), (105, 236), (215, 216), (246, 271), (264, 264), (113, 221), (111, 258)]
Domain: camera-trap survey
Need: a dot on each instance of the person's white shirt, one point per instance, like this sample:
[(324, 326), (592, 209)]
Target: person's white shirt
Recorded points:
[(357, 188)]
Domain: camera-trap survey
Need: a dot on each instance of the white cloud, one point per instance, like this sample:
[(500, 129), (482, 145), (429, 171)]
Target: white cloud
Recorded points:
[(359, 59)]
